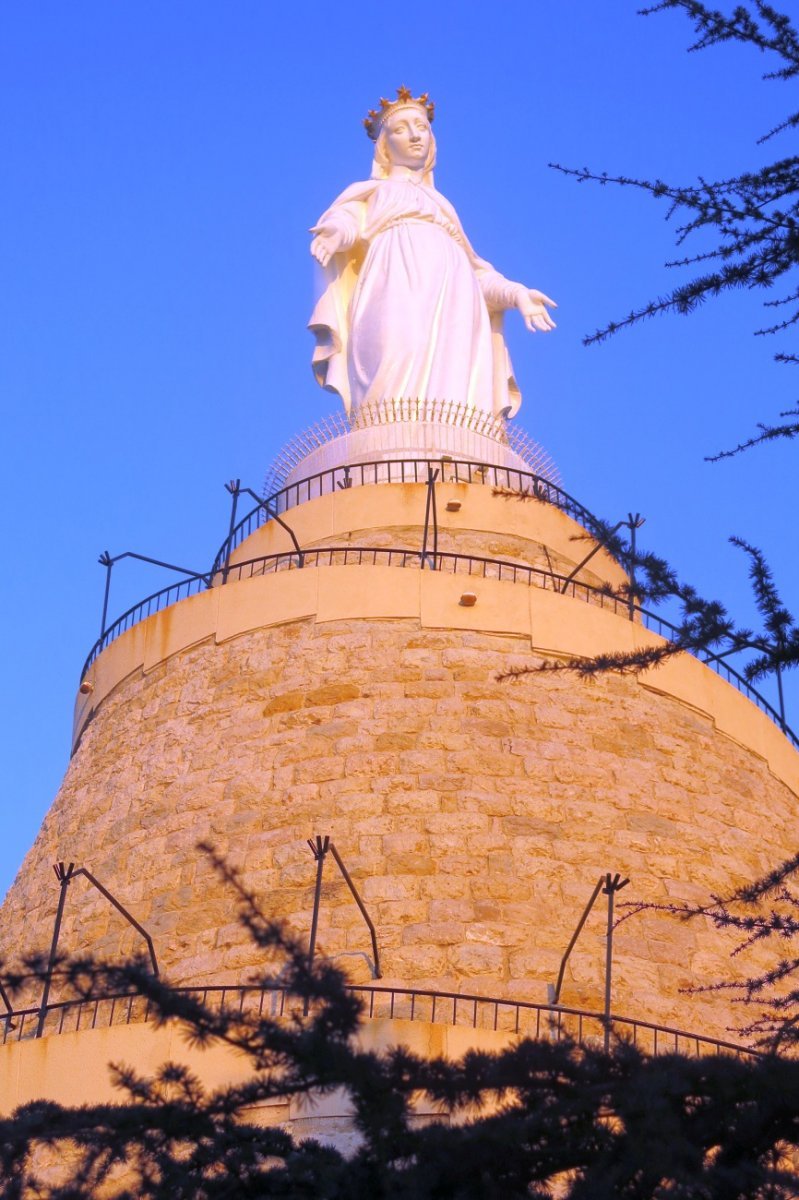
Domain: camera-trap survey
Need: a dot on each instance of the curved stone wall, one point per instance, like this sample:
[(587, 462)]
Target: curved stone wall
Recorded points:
[(472, 519), (474, 815)]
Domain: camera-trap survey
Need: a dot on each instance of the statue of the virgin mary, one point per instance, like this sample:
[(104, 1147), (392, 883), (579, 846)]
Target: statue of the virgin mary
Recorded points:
[(409, 311)]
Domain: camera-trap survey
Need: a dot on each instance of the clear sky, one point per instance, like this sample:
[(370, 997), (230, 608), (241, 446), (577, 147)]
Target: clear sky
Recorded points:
[(161, 166)]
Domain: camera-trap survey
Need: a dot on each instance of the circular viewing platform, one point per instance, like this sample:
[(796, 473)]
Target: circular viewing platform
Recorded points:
[(347, 668), (507, 481)]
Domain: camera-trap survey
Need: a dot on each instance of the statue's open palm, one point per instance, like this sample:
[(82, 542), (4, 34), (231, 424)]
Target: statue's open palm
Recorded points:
[(533, 305), (326, 243)]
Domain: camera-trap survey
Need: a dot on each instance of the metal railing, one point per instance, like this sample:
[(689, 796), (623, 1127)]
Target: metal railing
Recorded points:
[(146, 608), (472, 565), (404, 470), (516, 1017)]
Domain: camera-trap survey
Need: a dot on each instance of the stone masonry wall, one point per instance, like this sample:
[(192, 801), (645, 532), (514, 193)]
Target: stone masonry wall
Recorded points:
[(474, 816), (498, 545)]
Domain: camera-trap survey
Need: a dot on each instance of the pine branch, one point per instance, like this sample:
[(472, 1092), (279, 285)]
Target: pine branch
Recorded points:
[(752, 217), (714, 27), (768, 433), (777, 621), (758, 912), (705, 628), (536, 1119)]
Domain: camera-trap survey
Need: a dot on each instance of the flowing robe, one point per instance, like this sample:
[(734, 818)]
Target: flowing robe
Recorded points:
[(410, 311)]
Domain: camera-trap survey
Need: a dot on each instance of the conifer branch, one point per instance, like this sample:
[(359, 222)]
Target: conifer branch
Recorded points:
[(768, 433), (752, 217)]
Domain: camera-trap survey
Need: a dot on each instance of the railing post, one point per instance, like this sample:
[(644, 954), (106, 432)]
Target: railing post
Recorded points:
[(613, 884), (8, 1024), (234, 488), (634, 521), (319, 849), (430, 509), (63, 875), (105, 560), (780, 694), (435, 522)]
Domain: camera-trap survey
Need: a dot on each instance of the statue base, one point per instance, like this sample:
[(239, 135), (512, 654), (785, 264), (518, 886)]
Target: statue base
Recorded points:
[(409, 430)]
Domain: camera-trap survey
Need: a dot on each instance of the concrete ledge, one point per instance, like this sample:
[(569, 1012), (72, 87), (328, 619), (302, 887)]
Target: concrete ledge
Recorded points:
[(266, 600), (74, 1068)]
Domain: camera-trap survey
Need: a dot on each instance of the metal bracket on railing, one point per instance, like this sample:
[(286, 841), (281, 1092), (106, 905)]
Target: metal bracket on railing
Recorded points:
[(613, 885), (430, 511), (234, 488), (9, 1024), (632, 523), (609, 885), (105, 560), (600, 544), (65, 875), (275, 516), (319, 848)]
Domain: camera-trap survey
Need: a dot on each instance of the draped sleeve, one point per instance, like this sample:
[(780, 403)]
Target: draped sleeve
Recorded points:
[(330, 317), (500, 294)]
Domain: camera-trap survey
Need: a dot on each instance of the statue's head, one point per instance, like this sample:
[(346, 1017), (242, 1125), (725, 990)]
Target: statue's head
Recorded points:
[(402, 135)]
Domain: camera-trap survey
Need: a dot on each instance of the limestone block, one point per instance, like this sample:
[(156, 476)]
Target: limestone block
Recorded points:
[(476, 960)]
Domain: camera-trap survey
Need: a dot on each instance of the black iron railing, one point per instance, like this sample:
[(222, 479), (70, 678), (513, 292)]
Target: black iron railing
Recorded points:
[(472, 565), (404, 470), (327, 556), (517, 1017), (147, 608)]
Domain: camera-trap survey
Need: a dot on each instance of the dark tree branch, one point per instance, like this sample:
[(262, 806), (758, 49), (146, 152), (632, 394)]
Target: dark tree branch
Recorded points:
[(768, 433)]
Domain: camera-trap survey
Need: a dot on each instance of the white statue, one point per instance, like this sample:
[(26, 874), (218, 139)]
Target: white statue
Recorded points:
[(410, 311)]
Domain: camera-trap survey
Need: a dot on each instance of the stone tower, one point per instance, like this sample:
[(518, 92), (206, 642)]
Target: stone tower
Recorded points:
[(339, 673)]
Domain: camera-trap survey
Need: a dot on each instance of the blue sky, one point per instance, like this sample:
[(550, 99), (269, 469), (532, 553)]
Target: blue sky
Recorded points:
[(161, 166)]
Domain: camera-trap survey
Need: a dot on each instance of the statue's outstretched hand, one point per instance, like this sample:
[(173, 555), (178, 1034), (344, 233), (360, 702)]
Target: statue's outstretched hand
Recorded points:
[(325, 244), (533, 306)]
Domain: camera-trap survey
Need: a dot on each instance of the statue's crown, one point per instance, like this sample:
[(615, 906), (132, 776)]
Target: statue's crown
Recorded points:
[(377, 116)]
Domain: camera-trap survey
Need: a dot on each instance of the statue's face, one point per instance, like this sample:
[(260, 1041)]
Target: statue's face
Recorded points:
[(408, 138)]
